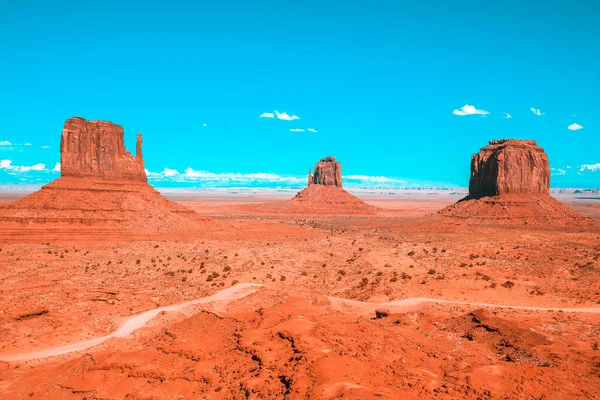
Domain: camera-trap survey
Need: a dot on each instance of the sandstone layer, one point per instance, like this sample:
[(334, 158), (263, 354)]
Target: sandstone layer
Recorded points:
[(510, 182), (102, 185)]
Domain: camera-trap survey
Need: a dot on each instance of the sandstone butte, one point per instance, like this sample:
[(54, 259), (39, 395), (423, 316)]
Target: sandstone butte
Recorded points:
[(510, 182), (97, 149), (325, 195), (101, 184)]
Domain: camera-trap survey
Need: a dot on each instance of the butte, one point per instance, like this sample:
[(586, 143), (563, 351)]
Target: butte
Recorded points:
[(102, 189), (325, 195), (510, 183)]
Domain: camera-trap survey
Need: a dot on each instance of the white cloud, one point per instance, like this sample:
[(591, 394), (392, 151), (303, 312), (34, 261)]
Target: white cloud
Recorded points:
[(558, 171), (469, 110), (204, 125), (27, 144), (507, 116), (285, 117), (170, 172), (312, 130), (192, 175), (8, 165), (296, 130), (377, 179), (45, 147), (590, 167), (56, 167), (267, 115), (574, 127), (537, 111), (5, 143)]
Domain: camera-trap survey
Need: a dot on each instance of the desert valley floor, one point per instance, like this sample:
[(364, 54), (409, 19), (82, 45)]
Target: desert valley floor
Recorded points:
[(395, 304)]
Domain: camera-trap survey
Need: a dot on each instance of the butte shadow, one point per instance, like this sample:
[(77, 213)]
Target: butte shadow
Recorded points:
[(102, 189), (510, 183)]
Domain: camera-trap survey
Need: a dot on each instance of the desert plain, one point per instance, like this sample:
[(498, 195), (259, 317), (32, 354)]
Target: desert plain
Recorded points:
[(512, 310)]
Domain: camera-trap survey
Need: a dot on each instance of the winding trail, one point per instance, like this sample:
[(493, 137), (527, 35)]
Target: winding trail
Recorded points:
[(136, 322), (415, 301), (241, 290)]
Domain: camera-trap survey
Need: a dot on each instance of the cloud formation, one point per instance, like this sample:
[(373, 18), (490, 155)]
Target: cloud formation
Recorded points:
[(312, 130), (296, 130), (574, 127), (376, 179), (537, 111), (8, 166), (285, 117), (469, 110), (589, 167), (170, 172), (5, 143), (192, 175), (45, 147), (56, 167), (267, 115), (507, 116)]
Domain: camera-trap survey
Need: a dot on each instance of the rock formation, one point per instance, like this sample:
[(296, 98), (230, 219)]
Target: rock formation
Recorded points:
[(510, 182), (509, 167), (324, 194), (97, 149), (101, 184), (328, 172)]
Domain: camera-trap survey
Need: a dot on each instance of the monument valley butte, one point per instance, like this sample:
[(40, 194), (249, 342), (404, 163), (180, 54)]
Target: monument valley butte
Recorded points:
[(111, 291)]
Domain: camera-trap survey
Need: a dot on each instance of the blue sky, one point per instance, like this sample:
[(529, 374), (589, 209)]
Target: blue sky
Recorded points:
[(377, 80)]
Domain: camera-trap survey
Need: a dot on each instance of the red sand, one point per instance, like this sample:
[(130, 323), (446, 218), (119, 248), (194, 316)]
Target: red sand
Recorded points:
[(65, 284)]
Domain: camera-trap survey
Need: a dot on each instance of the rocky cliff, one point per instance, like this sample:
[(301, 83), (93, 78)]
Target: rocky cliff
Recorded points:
[(328, 172), (97, 149), (509, 166)]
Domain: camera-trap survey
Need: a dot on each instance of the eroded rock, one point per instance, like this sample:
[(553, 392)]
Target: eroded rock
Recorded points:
[(97, 149), (509, 166)]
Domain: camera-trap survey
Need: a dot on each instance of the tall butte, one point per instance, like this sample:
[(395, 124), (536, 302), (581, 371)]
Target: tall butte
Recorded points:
[(510, 182), (97, 149), (101, 185), (325, 195)]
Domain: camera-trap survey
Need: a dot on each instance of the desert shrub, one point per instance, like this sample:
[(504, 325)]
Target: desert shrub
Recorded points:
[(508, 284)]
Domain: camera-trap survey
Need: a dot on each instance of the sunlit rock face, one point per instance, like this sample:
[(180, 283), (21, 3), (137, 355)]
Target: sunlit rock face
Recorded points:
[(328, 172), (509, 166), (97, 149)]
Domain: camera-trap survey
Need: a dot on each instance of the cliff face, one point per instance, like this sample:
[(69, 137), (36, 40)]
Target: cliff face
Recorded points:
[(509, 167), (97, 149), (328, 172)]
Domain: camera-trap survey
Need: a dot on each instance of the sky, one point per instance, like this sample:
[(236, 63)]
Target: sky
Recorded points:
[(239, 93)]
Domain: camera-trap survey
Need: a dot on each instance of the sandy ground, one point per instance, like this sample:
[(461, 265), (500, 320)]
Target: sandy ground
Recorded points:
[(336, 316)]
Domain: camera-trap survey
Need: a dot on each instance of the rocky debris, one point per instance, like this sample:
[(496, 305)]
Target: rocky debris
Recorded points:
[(507, 339), (509, 166), (97, 149), (21, 315), (328, 172)]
